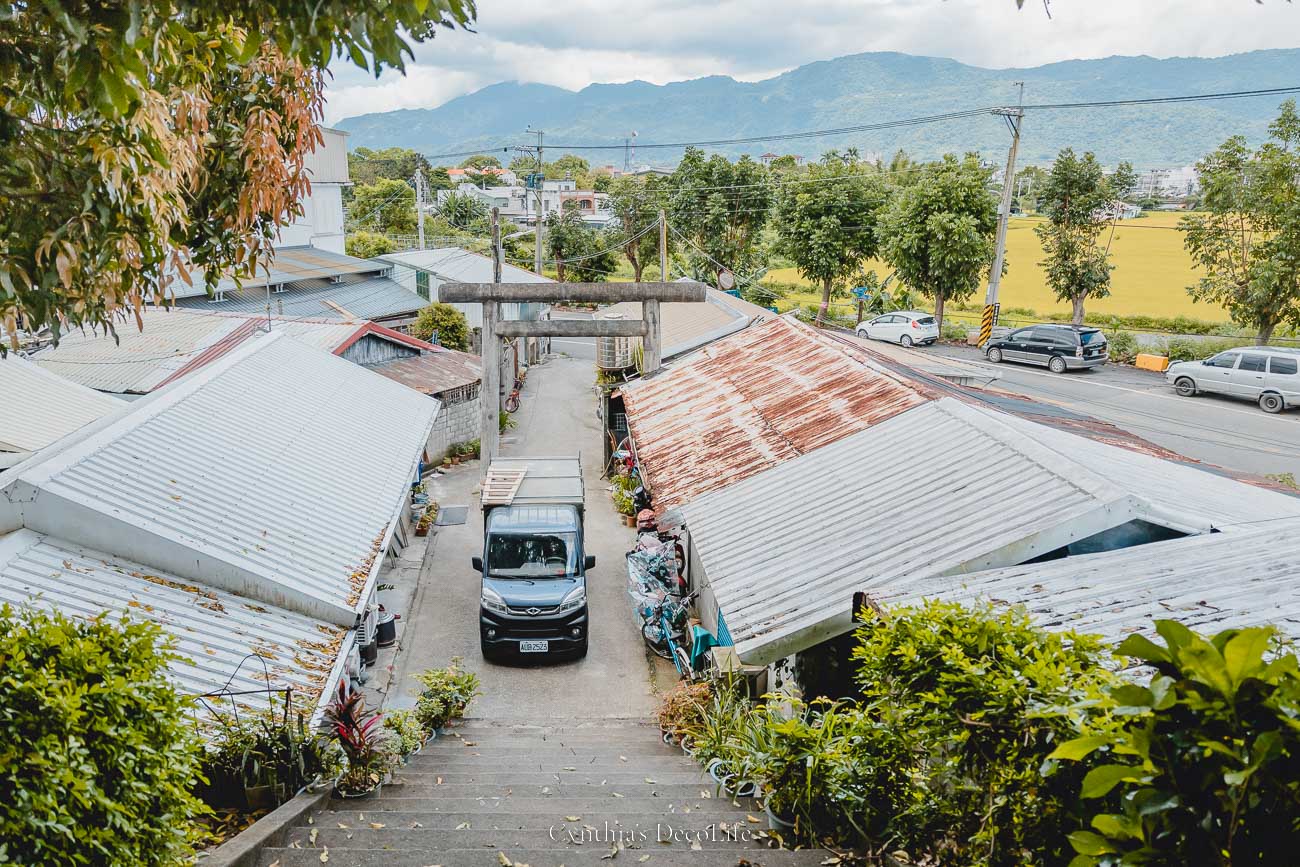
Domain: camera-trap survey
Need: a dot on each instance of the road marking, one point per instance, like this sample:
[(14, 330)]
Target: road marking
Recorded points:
[(1143, 392)]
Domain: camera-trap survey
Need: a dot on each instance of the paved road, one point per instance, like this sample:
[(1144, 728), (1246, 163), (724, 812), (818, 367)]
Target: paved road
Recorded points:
[(1219, 430), (574, 347), (617, 679)]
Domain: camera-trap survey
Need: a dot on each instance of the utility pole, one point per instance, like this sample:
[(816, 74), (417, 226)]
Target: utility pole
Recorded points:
[(489, 397), (419, 203), (1015, 118), (537, 188), (652, 340)]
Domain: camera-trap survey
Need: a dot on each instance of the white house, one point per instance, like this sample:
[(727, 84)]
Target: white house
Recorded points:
[(321, 224)]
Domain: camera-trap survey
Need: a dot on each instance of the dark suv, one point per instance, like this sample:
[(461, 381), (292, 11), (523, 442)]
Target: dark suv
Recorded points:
[(1057, 347)]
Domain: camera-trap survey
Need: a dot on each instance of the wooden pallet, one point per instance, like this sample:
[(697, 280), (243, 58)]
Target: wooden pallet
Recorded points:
[(501, 485)]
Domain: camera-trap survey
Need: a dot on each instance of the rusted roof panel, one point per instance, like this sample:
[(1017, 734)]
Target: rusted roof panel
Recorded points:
[(751, 401), (433, 372)]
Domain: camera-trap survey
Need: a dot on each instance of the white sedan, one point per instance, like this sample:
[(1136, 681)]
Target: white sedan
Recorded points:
[(905, 327)]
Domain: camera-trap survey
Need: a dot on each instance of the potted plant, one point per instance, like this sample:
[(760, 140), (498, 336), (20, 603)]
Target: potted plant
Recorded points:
[(425, 523), (360, 734), (406, 732), (680, 711), (444, 694), (474, 447)]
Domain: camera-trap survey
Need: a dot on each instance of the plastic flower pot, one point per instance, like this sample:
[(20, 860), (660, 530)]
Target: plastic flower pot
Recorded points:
[(718, 772), (777, 823), (359, 794), (386, 634), (688, 746)]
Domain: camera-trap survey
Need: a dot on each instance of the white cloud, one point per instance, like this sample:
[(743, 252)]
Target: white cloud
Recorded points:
[(573, 43)]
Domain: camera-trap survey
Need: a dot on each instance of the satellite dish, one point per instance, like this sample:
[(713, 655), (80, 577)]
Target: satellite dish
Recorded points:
[(726, 280)]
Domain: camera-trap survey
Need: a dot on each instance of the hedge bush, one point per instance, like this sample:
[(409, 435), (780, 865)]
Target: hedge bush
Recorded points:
[(98, 753)]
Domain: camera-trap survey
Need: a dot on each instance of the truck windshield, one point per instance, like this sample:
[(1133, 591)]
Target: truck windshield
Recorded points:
[(535, 555)]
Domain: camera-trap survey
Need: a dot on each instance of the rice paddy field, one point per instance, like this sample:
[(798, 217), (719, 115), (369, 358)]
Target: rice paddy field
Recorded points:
[(1151, 276)]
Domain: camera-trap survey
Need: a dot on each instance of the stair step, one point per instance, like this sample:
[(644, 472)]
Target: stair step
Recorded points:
[(658, 856), (572, 806), (545, 749), (428, 763), (436, 840), (534, 821), (583, 776), (639, 789)]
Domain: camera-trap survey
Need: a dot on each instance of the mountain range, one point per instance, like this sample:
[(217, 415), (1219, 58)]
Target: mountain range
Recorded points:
[(866, 89)]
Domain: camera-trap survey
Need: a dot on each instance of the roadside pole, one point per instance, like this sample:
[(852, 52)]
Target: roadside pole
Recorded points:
[(489, 396), (537, 226), (419, 204), (1015, 118), (652, 342)]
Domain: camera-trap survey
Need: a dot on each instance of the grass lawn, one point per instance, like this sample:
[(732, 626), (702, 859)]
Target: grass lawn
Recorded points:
[(1151, 276)]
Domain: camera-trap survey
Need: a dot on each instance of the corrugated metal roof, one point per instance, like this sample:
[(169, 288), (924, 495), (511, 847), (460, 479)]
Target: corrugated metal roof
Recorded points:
[(351, 299), (274, 472), (750, 401), (179, 341), (433, 372), (215, 631), (1250, 577), (138, 361), (289, 265), (940, 489), (688, 326), (41, 407)]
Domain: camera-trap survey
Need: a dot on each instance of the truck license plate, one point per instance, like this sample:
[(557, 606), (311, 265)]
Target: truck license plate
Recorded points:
[(534, 646)]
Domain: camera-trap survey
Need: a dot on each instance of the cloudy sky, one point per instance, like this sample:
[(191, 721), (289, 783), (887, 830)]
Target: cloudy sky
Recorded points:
[(573, 43)]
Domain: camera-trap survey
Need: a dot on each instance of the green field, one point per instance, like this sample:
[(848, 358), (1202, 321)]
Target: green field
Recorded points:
[(1151, 276)]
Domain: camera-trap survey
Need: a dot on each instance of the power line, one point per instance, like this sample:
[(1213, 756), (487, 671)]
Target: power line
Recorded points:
[(1159, 100)]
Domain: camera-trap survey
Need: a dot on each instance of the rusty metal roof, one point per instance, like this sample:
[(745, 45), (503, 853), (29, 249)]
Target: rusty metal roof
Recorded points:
[(432, 372), (752, 400)]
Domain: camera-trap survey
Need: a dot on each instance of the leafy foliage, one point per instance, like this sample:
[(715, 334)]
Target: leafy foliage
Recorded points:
[(360, 734), (142, 142), (938, 233), (386, 206), (367, 245), (582, 254), (406, 730), (465, 212), (1205, 767), (366, 166), (98, 754), (636, 202), (444, 694), (444, 322), (1248, 242), (721, 207), (251, 750), (1077, 198), (827, 226)]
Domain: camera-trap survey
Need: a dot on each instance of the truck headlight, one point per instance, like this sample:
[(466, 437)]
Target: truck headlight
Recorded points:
[(576, 599), (492, 601)]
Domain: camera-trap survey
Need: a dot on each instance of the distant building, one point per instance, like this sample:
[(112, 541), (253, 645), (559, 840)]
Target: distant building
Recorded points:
[(321, 223), (1118, 210), (519, 204)]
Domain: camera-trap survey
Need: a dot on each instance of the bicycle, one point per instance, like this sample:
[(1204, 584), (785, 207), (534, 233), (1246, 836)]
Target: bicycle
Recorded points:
[(663, 630)]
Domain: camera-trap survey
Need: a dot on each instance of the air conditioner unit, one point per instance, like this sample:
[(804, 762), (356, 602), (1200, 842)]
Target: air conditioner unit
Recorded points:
[(614, 353)]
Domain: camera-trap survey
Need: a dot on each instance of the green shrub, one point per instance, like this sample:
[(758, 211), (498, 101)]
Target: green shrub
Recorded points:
[(1123, 346), (970, 686), (250, 751), (444, 323), (98, 752), (1205, 768), (367, 245), (405, 729), (444, 694)]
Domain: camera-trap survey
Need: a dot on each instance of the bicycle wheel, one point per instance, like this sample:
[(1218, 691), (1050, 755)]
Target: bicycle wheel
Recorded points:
[(659, 643), (512, 402), (682, 660)]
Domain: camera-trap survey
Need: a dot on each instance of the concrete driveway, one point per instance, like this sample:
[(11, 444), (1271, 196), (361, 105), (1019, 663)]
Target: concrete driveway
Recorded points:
[(617, 678)]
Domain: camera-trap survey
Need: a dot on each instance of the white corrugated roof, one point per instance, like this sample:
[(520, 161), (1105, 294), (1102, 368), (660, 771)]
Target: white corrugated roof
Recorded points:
[(274, 472), (1250, 577), (942, 488), (41, 407), (215, 632), (173, 342)]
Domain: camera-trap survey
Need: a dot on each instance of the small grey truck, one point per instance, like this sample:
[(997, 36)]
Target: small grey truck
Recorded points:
[(534, 597)]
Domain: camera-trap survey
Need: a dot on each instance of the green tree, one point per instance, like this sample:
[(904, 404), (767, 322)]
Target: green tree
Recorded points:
[(438, 179), (1247, 240), (1077, 198), (100, 754), (581, 254), (367, 245), (443, 323), (939, 233), (636, 202), (568, 166), (142, 143), (465, 211), (365, 166), (480, 161), (827, 226), (387, 206), (721, 207)]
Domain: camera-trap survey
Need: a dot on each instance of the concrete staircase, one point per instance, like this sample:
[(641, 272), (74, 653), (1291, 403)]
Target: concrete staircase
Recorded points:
[(579, 795)]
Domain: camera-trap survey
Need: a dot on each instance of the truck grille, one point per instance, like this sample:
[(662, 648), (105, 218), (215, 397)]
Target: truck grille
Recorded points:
[(532, 611)]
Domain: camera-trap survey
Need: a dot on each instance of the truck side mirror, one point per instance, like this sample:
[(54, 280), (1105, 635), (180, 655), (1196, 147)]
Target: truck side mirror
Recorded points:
[(476, 563), (589, 562)]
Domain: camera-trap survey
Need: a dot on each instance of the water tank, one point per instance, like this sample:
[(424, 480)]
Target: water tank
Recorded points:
[(614, 353)]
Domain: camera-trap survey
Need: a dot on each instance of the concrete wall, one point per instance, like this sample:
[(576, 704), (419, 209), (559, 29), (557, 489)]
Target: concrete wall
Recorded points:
[(458, 422)]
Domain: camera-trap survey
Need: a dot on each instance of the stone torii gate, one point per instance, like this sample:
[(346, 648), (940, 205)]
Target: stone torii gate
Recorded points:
[(492, 295)]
